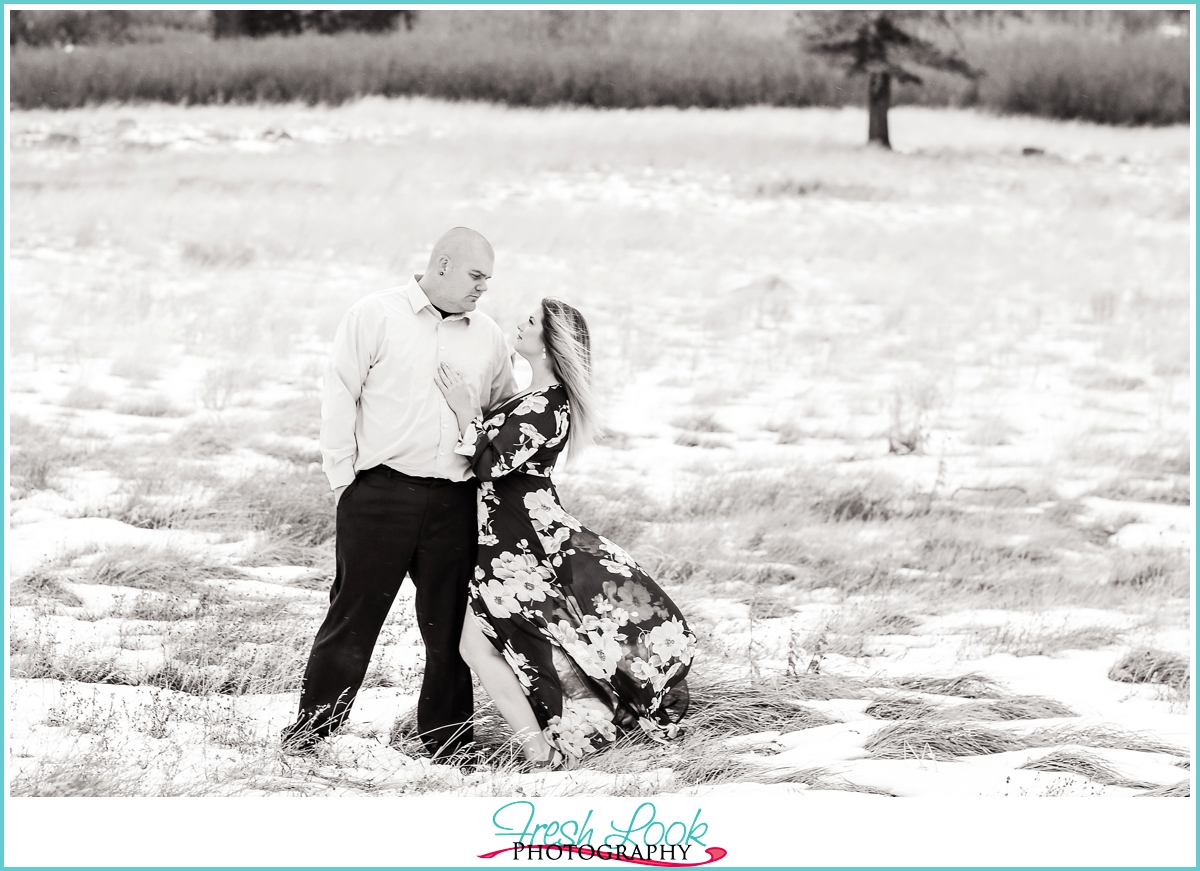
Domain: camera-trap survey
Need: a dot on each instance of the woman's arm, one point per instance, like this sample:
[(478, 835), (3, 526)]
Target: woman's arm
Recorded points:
[(505, 442)]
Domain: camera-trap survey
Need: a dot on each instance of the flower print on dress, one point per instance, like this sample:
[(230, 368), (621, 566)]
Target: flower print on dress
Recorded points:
[(657, 731), (523, 575), (486, 496), (606, 654), (670, 640), (641, 670), (485, 626), (544, 510), (553, 542), (632, 597), (533, 403), (500, 599), (573, 732), (619, 563), (617, 553), (519, 663), (532, 435)]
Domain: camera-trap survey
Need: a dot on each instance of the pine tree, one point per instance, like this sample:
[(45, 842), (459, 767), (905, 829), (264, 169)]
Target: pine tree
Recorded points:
[(875, 44)]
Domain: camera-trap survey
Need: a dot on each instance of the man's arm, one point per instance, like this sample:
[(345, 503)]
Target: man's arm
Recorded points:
[(349, 362)]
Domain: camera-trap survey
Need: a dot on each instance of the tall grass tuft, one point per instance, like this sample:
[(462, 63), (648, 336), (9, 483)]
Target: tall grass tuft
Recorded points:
[(942, 740), (165, 570), (1017, 708), (1183, 789), (41, 584), (1112, 737), (1089, 765), (1010, 708), (966, 686), (741, 708), (1148, 665)]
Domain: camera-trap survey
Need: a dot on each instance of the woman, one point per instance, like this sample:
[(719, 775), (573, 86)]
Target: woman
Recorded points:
[(572, 640)]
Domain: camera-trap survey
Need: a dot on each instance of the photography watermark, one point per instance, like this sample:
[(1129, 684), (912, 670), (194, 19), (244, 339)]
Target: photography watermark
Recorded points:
[(644, 838)]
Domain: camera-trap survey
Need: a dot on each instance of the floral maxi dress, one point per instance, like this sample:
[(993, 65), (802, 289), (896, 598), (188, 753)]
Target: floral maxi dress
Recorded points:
[(597, 646)]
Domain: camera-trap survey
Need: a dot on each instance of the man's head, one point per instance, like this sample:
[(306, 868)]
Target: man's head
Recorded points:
[(459, 267)]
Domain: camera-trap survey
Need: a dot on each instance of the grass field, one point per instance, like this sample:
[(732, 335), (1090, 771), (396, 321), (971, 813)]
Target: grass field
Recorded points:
[(1045, 66), (907, 435)]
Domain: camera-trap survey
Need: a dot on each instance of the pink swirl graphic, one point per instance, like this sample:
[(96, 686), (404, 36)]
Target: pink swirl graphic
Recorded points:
[(715, 854)]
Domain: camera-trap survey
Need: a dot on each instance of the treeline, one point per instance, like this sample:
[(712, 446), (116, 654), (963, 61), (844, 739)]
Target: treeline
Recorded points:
[(118, 26), (1114, 67)]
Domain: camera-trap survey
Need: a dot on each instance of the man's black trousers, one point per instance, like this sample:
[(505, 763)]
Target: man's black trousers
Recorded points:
[(390, 524)]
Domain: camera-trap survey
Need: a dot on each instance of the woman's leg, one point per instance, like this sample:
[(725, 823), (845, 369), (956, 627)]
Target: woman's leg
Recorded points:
[(502, 685)]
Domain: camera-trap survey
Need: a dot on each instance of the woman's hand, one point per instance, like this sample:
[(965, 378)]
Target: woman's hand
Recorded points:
[(458, 393)]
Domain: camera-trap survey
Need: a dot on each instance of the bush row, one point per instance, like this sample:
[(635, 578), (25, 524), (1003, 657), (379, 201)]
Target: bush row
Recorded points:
[(1141, 79)]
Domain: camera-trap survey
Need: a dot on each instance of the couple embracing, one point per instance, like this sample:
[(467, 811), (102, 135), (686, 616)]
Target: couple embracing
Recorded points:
[(441, 471)]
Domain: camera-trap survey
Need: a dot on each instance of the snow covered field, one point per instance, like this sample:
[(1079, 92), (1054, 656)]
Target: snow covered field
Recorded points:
[(906, 435)]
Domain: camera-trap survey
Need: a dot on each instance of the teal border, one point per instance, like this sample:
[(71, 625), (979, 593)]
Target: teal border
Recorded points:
[(1193, 7)]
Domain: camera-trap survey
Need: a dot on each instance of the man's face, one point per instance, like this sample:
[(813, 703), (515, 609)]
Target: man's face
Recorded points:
[(465, 281)]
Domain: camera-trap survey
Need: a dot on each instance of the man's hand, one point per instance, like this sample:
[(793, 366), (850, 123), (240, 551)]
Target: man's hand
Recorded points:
[(337, 494)]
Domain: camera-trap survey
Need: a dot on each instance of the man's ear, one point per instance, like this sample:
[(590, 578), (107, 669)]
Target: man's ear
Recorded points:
[(443, 263)]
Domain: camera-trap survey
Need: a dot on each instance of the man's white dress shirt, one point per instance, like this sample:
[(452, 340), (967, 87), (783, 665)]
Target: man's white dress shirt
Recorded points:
[(381, 405)]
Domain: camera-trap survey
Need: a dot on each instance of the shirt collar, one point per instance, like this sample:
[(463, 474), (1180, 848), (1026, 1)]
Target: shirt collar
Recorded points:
[(419, 301)]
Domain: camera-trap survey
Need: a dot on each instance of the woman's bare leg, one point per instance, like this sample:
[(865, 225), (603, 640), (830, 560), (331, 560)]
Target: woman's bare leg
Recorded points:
[(502, 685)]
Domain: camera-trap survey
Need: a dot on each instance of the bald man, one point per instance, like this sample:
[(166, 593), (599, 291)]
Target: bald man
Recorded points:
[(405, 500)]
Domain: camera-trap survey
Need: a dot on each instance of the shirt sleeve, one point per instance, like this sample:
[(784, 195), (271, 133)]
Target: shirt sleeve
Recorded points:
[(504, 443), (350, 360)]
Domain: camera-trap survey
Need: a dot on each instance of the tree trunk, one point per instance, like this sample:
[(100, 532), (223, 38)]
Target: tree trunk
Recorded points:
[(879, 99)]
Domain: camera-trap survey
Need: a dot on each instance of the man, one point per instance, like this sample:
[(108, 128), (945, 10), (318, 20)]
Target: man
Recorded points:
[(405, 500)]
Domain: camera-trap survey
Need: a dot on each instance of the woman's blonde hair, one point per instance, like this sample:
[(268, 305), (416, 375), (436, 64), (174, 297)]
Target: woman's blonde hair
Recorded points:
[(569, 344)]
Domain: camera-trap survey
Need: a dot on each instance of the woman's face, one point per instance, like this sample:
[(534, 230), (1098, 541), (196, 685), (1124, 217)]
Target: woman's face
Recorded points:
[(529, 336)]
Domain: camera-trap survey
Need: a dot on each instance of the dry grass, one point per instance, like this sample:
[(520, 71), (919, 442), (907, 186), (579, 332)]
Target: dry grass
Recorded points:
[(727, 708), (151, 406), (1016, 708), (700, 422), (1112, 737), (943, 740), (86, 398), (702, 440), (1152, 570), (1086, 764), (1183, 789), (140, 368), (41, 584), (1041, 641), (39, 455), (166, 570), (966, 686), (1175, 492), (699, 757), (898, 707), (1147, 665)]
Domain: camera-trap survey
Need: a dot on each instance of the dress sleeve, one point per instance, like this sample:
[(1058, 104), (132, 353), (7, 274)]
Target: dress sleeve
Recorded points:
[(507, 441)]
